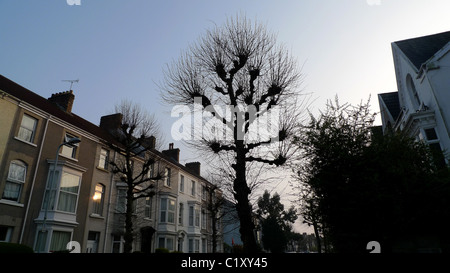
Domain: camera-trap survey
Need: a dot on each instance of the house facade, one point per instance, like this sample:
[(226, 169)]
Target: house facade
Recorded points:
[(52, 193), (421, 106)]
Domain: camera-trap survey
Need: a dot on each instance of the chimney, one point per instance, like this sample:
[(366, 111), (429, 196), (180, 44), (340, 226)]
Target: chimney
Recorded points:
[(194, 166), (63, 100), (112, 122), (173, 153), (150, 142)]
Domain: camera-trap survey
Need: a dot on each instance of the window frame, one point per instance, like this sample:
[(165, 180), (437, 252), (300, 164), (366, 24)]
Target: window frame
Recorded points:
[(69, 148), (103, 162), (167, 213), (33, 131), (15, 181), (97, 207), (167, 179)]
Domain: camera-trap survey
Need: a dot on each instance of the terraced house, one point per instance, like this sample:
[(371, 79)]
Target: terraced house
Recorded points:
[(56, 184)]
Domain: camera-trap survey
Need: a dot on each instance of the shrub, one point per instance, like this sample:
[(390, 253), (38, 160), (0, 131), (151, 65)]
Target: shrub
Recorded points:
[(14, 248)]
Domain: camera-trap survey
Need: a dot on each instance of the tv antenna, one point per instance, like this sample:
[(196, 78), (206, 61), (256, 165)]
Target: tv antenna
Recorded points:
[(71, 82)]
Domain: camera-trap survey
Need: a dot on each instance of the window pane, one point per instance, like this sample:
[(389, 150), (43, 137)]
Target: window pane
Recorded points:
[(70, 182), (103, 163), (59, 240), (27, 127), (191, 216), (121, 201), (67, 202), (182, 183), (169, 244), (12, 191), (68, 192), (148, 207), (67, 151), (98, 199), (25, 134), (17, 171), (431, 134)]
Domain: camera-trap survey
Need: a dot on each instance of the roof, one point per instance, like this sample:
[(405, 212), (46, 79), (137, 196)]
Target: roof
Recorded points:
[(45, 105), (419, 50), (392, 103)]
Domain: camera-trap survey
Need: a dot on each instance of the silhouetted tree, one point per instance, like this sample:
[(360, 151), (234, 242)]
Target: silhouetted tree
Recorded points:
[(276, 223), (241, 81), (363, 187), (135, 162)]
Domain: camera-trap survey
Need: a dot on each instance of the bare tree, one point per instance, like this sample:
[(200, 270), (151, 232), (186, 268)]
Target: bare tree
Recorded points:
[(240, 81), (134, 141)]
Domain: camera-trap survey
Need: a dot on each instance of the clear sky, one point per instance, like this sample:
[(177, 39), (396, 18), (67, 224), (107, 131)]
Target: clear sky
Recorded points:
[(118, 49)]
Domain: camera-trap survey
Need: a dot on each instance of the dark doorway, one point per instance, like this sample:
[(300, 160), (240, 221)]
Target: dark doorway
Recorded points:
[(146, 239)]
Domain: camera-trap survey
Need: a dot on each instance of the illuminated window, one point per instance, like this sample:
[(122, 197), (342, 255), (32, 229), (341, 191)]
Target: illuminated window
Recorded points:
[(98, 199)]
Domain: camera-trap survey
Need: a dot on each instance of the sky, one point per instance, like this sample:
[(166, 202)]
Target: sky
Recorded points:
[(118, 49)]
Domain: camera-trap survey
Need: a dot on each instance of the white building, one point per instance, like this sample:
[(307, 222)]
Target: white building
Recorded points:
[(422, 104)]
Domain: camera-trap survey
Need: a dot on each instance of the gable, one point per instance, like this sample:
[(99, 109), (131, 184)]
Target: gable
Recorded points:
[(419, 50)]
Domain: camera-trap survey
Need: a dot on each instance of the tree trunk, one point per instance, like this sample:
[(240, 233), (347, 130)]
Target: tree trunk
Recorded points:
[(243, 207), (316, 232), (128, 237)]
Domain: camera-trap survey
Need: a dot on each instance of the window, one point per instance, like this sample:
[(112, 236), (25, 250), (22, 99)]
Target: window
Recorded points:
[(191, 215), (181, 183), (167, 213), (193, 187), (92, 242), (98, 199), (69, 150), (121, 201), (148, 207), (204, 244), (197, 217), (167, 179), (191, 245), (27, 128), (5, 233), (180, 214), (151, 171), (203, 219), (431, 134), (68, 192), (104, 158), (166, 242), (59, 240), (197, 245), (117, 244), (204, 192), (14, 183)]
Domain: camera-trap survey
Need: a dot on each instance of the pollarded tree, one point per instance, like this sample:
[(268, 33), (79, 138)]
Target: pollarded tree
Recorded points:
[(239, 81), (134, 131)]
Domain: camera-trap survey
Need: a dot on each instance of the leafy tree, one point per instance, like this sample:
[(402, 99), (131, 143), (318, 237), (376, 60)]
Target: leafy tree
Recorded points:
[(238, 77), (364, 187), (275, 222)]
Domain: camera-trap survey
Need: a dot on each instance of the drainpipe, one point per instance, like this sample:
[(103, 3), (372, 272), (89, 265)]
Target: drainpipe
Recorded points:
[(33, 181)]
